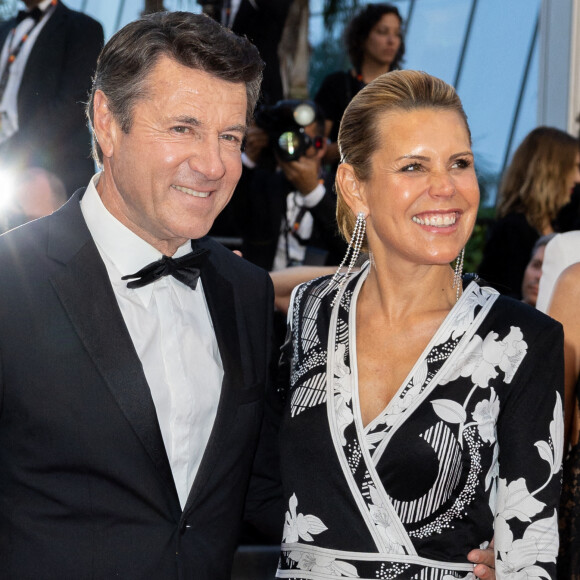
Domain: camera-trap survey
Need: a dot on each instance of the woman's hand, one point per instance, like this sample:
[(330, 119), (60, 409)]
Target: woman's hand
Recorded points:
[(485, 560)]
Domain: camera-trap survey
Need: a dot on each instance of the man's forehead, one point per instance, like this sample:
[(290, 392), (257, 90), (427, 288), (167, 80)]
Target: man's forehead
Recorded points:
[(170, 78)]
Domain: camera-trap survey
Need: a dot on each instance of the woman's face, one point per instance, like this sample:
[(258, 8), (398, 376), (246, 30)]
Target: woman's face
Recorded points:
[(384, 41), (422, 197)]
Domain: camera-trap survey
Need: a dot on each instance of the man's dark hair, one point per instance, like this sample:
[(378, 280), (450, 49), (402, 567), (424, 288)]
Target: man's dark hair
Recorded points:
[(192, 40), (359, 28)]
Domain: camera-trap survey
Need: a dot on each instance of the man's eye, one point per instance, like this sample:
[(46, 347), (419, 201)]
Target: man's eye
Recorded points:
[(180, 129)]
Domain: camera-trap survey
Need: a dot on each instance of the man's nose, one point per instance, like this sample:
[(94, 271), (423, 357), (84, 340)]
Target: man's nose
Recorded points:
[(207, 160)]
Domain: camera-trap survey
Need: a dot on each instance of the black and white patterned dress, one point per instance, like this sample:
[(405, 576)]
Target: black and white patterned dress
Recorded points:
[(469, 447)]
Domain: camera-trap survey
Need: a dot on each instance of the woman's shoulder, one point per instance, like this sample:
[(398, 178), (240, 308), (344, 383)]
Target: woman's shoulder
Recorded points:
[(514, 312)]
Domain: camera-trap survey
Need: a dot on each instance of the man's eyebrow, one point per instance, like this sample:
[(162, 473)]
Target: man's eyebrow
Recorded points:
[(237, 128), (187, 120)]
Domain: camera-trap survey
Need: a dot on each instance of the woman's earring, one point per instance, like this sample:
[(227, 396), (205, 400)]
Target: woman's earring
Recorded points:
[(457, 276), (354, 247)]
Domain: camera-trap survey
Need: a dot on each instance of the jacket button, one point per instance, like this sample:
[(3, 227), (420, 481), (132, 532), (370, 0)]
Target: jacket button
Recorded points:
[(183, 527)]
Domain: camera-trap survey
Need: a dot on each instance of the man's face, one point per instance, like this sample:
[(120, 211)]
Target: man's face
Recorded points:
[(174, 171)]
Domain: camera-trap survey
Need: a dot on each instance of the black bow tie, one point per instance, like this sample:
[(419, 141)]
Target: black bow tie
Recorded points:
[(184, 269), (36, 14)]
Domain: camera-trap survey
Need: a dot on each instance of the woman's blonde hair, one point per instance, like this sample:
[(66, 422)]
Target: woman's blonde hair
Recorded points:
[(535, 183), (359, 134)]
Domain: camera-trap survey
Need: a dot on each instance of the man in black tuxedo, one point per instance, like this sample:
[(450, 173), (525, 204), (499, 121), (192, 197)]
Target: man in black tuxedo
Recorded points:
[(131, 397), (262, 21), (43, 91)]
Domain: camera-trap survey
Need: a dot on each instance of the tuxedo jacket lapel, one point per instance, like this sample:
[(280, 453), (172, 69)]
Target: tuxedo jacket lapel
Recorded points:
[(221, 301), (87, 296)]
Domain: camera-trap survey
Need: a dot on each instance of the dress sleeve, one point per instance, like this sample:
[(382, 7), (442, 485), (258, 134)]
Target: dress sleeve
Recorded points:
[(530, 440)]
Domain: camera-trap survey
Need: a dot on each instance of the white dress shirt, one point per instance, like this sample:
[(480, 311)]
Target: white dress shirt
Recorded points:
[(561, 251), (9, 104), (171, 329)]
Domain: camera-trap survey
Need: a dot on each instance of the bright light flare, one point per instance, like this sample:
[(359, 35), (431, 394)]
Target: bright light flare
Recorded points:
[(6, 189)]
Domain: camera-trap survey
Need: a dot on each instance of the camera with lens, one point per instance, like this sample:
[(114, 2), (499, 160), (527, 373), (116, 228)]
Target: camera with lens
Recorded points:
[(285, 123)]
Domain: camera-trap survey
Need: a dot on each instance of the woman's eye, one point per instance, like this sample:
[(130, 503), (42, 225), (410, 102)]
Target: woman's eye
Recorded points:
[(180, 129), (462, 163), (411, 167)]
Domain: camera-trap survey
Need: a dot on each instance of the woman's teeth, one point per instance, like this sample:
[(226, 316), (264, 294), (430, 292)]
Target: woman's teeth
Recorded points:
[(437, 221)]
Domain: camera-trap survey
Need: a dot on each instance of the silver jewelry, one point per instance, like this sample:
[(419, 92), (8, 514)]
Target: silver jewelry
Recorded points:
[(354, 247), (457, 275)]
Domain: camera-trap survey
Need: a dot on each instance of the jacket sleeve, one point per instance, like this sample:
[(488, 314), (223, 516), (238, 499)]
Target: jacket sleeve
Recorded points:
[(263, 515), (530, 440)]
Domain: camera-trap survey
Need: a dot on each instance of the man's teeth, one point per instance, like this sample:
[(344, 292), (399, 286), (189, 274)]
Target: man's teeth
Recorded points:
[(437, 221), (191, 191)]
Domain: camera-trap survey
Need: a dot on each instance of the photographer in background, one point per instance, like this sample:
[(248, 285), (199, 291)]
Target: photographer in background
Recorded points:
[(284, 210)]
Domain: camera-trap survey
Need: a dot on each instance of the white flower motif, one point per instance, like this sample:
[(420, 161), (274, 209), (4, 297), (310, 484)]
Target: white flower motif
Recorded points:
[(514, 350), (553, 454), (481, 357), (539, 544), (342, 387), (485, 415), (384, 523), (515, 501), (323, 564), (299, 526), (464, 316)]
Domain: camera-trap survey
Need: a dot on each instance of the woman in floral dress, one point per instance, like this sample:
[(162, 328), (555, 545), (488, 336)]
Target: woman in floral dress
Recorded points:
[(421, 418)]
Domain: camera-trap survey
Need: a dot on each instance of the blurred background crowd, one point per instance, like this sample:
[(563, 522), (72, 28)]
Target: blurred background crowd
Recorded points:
[(515, 65)]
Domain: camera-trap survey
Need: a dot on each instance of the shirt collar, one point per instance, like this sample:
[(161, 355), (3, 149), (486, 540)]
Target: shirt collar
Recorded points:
[(127, 252), (44, 4)]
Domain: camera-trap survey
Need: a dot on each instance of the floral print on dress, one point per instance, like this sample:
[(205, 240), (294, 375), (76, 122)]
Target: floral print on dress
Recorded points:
[(473, 417)]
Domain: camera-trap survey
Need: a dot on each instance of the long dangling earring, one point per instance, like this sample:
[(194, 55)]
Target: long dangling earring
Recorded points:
[(354, 247), (457, 280)]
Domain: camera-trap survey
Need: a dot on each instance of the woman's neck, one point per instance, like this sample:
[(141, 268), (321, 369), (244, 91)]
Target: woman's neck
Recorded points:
[(409, 292)]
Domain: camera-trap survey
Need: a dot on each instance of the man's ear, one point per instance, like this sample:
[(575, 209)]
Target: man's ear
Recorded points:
[(351, 189), (104, 124)]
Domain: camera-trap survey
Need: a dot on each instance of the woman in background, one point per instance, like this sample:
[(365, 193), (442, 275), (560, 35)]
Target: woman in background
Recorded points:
[(536, 185), (565, 307), (375, 44), (421, 419)]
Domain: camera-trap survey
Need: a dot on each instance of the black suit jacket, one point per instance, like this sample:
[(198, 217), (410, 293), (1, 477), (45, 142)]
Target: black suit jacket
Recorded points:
[(262, 21), (86, 489), (53, 132)]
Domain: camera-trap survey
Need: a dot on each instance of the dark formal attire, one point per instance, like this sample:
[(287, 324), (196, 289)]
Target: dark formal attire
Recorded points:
[(334, 95), (262, 198), (507, 252), (52, 132), (262, 21), (469, 447), (87, 487)]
